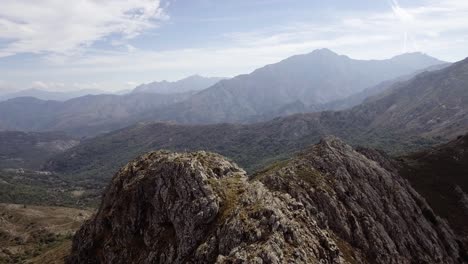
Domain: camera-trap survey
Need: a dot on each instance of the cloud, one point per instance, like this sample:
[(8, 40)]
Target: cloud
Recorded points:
[(437, 28), (66, 27), (366, 36)]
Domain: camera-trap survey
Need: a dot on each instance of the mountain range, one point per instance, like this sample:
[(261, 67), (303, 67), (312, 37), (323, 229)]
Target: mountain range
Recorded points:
[(188, 84), (395, 192), (50, 95), (82, 116), (293, 85), (297, 84), (427, 109)]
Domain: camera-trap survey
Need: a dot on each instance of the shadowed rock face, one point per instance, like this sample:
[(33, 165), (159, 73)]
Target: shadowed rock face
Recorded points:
[(440, 175), (331, 204)]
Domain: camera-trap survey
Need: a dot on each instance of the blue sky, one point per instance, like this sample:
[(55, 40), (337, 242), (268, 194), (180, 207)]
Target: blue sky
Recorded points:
[(117, 44)]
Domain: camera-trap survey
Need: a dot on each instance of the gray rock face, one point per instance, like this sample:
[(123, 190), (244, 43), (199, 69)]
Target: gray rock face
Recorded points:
[(197, 208), (329, 205), (364, 202)]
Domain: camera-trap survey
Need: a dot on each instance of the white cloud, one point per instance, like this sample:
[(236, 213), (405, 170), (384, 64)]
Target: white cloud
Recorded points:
[(438, 28), (67, 26), (434, 28)]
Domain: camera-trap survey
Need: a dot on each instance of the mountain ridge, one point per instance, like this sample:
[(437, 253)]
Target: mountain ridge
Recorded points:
[(191, 83), (50, 95), (315, 78), (198, 207), (253, 145), (291, 85)]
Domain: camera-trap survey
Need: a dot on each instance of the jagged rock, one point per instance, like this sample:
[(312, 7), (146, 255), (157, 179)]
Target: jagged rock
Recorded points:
[(178, 208), (363, 202), (329, 205)]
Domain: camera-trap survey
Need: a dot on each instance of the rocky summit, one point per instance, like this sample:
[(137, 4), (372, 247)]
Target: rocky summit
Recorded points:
[(330, 204)]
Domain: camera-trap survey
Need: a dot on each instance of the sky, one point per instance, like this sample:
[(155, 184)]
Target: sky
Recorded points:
[(117, 44)]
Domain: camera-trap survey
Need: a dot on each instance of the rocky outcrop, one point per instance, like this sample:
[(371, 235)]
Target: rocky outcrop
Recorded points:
[(365, 204), (331, 204), (178, 208)]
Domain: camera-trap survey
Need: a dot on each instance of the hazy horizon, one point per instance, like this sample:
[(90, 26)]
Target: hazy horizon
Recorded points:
[(121, 44)]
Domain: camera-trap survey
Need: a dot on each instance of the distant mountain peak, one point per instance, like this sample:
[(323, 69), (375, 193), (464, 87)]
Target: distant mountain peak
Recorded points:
[(324, 51), (50, 95), (192, 83), (411, 54), (195, 76), (416, 58)]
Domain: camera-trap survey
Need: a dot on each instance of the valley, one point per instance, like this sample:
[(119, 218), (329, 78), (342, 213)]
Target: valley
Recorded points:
[(37, 234), (233, 132), (430, 109), (406, 128)]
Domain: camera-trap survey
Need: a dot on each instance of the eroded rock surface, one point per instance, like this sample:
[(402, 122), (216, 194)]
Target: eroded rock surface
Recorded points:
[(330, 204), (359, 197)]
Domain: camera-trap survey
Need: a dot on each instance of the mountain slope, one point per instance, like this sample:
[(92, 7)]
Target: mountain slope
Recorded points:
[(50, 95), (293, 85), (431, 104), (27, 113), (328, 205), (396, 121), (31, 150), (440, 174), (311, 79), (360, 97), (82, 116), (191, 83)]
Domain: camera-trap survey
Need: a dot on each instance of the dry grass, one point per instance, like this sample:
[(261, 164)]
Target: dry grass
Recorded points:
[(37, 233)]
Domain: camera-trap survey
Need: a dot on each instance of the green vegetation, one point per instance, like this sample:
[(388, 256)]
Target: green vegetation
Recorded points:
[(44, 241), (274, 167), (253, 147), (229, 189), (313, 177), (396, 145), (35, 189), (30, 150)]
